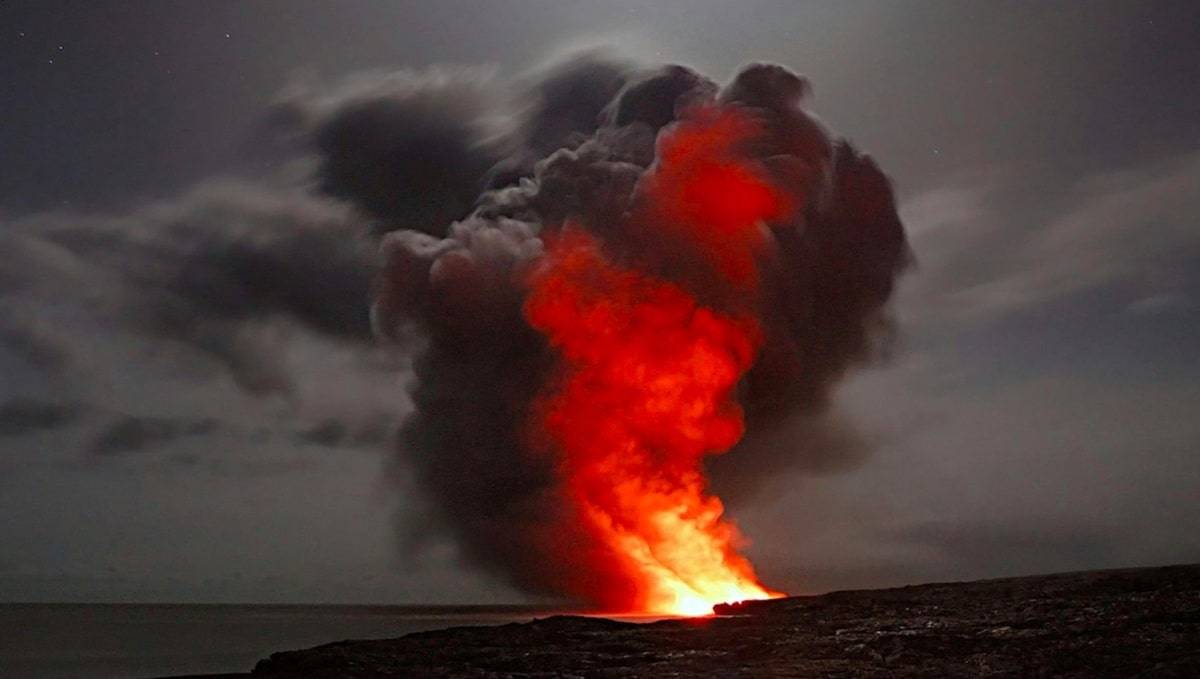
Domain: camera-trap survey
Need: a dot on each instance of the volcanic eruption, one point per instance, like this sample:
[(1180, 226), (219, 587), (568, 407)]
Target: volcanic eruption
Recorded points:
[(656, 271)]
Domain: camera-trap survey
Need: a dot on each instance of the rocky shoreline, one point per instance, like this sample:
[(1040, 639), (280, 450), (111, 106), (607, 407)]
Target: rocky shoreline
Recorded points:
[(1122, 623)]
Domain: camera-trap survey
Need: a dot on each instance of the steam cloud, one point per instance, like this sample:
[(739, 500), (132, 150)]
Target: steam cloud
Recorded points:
[(584, 151)]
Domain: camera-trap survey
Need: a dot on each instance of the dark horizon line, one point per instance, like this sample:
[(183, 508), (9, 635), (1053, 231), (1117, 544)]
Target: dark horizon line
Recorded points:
[(563, 608)]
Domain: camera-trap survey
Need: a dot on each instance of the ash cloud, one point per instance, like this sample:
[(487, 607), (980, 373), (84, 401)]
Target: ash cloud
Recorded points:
[(562, 107), (827, 281), (459, 177), (410, 149)]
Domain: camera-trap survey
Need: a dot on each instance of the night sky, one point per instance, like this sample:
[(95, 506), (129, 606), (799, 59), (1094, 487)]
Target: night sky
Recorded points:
[(186, 418)]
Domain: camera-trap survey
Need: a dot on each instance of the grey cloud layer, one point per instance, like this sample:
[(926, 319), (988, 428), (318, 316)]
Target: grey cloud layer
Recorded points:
[(137, 320), (195, 271), (1133, 228)]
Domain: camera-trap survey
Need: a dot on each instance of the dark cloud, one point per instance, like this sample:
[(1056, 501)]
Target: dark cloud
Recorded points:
[(23, 416), (807, 441), (132, 434), (565, 104), (559, 108), (415, 150), (830, 275), (409, 149), (656, 97), (318, 278), (28, 341), (222, 270), (328, 433), (335, 433), (473, 383)]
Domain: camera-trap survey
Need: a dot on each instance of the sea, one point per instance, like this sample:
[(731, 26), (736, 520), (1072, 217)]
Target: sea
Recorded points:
[(96, 641)]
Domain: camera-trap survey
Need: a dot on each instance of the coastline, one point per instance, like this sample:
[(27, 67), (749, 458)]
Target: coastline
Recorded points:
[(1113, 623)]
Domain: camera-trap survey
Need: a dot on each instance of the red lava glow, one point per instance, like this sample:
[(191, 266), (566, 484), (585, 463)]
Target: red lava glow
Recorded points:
[(649, 374), (702, 189)]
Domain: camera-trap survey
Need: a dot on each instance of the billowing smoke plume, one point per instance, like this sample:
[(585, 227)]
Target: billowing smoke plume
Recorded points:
[(411, 150), (588, 157)]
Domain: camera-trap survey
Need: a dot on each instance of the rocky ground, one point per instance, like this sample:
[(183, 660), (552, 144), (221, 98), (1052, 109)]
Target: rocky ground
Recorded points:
[(1124, 623)]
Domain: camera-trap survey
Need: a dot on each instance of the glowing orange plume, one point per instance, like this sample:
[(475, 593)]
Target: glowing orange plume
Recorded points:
[(649, 375)]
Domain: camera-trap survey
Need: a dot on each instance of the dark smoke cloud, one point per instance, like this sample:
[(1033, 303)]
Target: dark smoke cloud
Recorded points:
[(410, 150), (810, 441), (656, 97), (826, 285), (21, 416), (561, 108)]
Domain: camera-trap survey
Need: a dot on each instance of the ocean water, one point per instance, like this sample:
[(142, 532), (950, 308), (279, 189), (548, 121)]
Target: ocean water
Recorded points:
[(101, 640)]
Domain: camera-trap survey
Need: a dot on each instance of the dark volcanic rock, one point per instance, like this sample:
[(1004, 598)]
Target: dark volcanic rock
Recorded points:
[(1123, 623)]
